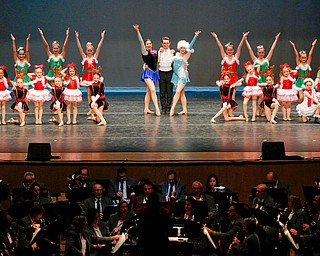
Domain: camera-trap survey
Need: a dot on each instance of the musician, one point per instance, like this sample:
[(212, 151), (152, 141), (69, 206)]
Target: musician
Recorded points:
[(96, 201), (117, 220), (118, 187), (79, 179), (250, 245), (274, 182), (234, 229), (312, 229), (148, 188), (172, 184), (8, 235), (78, 241), (31, 239), (35, 193), (262, 197), (100, 234)]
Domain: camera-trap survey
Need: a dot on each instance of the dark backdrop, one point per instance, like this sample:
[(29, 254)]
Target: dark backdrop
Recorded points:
[(120, 55)]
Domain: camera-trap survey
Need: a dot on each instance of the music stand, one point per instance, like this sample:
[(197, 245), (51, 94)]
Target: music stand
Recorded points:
[(310, 192), (80, 194), (4, 190)]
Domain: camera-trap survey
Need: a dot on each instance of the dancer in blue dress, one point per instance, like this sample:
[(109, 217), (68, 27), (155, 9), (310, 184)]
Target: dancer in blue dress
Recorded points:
[(180, 75), (150, 73)]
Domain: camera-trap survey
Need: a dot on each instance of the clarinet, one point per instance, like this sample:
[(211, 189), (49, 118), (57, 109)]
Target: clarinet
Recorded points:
[(232, 244), (309, 219)]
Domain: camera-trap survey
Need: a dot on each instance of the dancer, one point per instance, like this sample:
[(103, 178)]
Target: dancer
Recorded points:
[(303, 62), (4, 93), (226, 91), (252, 90), (98, 100), (150, 73), (56, 58), (58, 105), (21, 59), (270, 98), (89, 63), (38, 95), (317, 84), (287, 92), (230, 61), (263, 62), (72, 94), (165, 58), (310, 105), (180, 75), (20, 105)]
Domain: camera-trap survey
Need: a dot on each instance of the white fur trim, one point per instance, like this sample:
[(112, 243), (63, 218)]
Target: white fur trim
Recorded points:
[(184, 44)]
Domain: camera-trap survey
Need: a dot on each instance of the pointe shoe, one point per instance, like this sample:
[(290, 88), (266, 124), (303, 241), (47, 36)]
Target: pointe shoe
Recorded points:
[(148, 112), (213, 121), (102, 123), (22, 124), (60, 124)]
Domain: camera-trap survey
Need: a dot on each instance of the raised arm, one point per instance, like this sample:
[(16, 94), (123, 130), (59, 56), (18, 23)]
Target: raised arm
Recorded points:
[(190, 50), (64, 47), (14, 48), (311, 51), (100, 44), (273, 46), (28, 48), (295, 52), (83, 55), (142, 45), (46, 45), (244, 36), (222, 52), (253, 57)]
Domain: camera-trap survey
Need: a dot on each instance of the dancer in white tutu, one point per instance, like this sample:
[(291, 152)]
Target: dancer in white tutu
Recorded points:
[(287, 92), (310, 105), (38, 95), (252, 90), (72, 94), (4, 93)]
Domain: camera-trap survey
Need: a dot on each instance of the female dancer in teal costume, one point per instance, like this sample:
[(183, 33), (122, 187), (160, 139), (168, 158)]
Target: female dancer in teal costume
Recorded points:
[(56, 59), (180, 75), (303, 62), (21, 59), (263, 62), (150, 74)]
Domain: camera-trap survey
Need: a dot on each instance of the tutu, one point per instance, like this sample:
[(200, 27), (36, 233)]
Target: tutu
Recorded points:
[(5, 95), (72, 95), (304, 110), (250, 91), (287, 95), (149, 74), (39, 95)]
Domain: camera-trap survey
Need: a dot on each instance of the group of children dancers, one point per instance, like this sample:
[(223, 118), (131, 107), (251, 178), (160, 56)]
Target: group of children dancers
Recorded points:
[(64, 99), (293, 85)]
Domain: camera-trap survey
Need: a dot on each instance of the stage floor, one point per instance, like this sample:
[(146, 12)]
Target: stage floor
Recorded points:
[(130, 134)]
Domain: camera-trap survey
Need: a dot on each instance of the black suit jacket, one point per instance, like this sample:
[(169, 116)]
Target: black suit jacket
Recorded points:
[(114, 186), (74, 245), (90, 203)]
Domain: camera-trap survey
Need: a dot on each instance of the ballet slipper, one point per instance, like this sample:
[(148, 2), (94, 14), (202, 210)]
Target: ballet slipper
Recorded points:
[(60, 124), (102, 123), (89, 113), (183, 113), (171, 112), (285, 119), (148, 112), (212, 120), (253, 120), (158, 113), (247, 119), (74, 122), (52, 119), (289, 119), (22, 124), (69, 122), (273, 122)]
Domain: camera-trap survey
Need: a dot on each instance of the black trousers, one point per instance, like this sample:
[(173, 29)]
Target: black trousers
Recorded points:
[(166, 89)]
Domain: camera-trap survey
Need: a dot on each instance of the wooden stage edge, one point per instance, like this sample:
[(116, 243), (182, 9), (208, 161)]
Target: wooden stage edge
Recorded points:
[(147, 157)]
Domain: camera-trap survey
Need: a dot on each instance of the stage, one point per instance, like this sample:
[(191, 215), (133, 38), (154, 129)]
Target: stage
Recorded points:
[(130, 134)]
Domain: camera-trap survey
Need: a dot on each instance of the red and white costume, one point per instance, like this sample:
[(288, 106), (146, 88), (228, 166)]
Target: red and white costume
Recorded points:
[(307, 107), (88, 69), (287, 92), (252, 88), (317, 86), (39, 93), (4, 93), (72, 92), (230, 66)]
